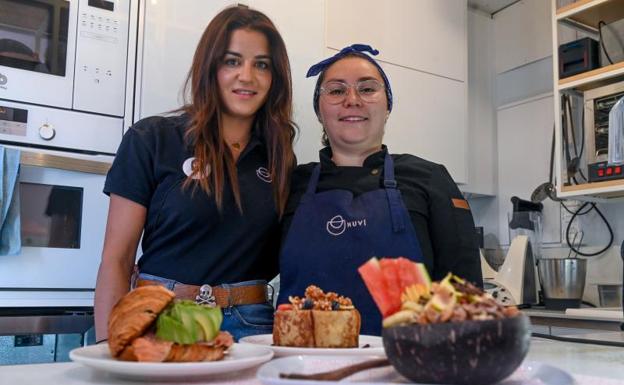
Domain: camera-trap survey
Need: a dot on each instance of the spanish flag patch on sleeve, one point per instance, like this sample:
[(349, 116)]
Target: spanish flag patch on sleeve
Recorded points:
[(460, 203)]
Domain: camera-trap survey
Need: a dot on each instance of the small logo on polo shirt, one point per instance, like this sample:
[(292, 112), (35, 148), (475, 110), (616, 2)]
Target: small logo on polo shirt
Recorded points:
[(189, 165), (264, 174), (337, 225)]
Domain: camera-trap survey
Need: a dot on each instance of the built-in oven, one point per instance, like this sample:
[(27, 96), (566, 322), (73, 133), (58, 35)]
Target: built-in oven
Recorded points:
[(62, 222), (47, 289), (69, 54)]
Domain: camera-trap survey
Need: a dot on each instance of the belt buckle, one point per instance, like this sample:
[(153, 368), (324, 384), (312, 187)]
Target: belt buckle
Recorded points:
[(205, 296)]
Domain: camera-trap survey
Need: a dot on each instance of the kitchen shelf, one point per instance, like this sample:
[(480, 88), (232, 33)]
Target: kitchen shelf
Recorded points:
[(590, 12), (590, 191), (584, 15), (595, 78)]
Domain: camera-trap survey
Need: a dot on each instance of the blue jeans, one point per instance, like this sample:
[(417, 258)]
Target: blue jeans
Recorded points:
[(240, 320)]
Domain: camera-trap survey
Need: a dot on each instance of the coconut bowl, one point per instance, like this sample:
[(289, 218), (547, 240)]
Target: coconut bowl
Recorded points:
[(468, 352)]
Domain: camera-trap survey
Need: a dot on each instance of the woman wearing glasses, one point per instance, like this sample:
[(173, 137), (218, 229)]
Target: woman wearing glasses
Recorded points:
[(360, 201)]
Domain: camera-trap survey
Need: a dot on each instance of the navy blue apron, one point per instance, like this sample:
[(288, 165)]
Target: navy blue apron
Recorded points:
[(333, 233)]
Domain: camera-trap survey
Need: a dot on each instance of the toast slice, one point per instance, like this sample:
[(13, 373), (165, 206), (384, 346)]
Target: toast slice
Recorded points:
[(317, 328)]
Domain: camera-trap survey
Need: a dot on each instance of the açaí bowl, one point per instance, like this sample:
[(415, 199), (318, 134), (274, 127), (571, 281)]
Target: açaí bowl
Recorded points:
[(467, 352)]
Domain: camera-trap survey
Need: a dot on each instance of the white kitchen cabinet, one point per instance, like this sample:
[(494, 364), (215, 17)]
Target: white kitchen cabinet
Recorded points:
[(301, 24), (523, 34), (422, 48), (481, 116), (424, 35), (428, 118), (171, 31), (524, 142)]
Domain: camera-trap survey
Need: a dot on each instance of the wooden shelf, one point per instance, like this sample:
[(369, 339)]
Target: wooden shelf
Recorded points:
[(590, 12), (594, 185), (606, 190), (595, 78), (585, 15)]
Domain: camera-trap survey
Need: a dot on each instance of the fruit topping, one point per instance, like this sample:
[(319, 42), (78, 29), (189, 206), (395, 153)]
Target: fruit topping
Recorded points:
[(317, 299), (388, 278), (450, 300)]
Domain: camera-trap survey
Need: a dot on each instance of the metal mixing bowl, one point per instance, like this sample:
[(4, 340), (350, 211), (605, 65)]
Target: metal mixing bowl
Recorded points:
[(563, 280)]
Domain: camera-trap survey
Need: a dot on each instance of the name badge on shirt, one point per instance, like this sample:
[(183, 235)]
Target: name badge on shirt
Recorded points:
[(188, 165)]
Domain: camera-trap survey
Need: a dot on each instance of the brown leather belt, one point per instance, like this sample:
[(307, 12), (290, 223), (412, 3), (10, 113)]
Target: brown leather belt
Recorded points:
[(224, 297)]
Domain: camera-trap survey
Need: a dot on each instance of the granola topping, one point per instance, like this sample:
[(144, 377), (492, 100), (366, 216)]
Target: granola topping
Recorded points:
[(450, 300), (316, 299)]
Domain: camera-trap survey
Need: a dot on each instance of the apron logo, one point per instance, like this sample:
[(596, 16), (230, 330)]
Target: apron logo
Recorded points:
[(3, 81), (337, 225), (188, 165), (263, 174)]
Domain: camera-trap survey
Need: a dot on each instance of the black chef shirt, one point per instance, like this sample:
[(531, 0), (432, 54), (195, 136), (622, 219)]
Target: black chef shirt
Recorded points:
[(185, 237), (446, 232)]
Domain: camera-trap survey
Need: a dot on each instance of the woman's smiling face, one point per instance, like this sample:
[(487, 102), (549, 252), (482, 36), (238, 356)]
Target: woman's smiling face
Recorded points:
[(245, 74), (353, 124)]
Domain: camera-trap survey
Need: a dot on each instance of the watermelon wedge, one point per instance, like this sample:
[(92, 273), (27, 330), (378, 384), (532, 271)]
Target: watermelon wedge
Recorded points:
[(411, 272), (391, 274), (376, 284), (387, 279)]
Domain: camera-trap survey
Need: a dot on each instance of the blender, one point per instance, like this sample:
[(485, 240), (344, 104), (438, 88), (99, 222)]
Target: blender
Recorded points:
[(515, 282)]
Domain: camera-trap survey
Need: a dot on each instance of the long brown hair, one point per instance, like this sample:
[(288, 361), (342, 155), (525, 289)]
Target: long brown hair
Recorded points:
[(273, 120)]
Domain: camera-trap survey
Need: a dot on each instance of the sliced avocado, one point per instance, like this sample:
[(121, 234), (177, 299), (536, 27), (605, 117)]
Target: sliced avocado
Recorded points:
[(186, 322), (213, 316), (207, 320), (171, 329)]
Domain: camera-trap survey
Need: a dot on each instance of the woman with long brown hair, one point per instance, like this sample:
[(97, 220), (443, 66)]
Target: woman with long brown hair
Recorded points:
[(205, 188)]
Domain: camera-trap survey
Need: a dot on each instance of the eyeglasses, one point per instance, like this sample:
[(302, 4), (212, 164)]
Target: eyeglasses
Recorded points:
[(335, 92)]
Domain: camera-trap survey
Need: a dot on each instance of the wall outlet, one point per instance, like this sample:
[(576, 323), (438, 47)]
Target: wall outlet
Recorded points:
[(575, 228)]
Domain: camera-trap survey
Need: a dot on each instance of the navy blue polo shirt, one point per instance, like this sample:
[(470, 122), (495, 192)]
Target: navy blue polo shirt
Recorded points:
[(186, 238)]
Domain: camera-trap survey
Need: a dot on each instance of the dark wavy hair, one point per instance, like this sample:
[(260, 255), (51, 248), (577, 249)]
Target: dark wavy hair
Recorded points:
[(273, 121)]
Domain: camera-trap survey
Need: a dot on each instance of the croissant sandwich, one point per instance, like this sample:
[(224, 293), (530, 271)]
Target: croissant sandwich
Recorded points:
[(148, 324)]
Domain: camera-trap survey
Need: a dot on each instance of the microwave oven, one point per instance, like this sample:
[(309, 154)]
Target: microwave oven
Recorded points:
[(597, 105), (69, 54)]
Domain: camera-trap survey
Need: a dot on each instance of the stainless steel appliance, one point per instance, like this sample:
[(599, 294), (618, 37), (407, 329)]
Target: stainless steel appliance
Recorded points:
[(563, 281), (598, 103), (43, 335)]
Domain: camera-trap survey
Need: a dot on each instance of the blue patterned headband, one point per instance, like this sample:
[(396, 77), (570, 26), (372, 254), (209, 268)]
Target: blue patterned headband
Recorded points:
[(355, 50)]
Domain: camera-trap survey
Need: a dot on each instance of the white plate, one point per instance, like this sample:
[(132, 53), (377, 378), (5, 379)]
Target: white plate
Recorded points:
[(239, 357), (529, 373), (369, 346)]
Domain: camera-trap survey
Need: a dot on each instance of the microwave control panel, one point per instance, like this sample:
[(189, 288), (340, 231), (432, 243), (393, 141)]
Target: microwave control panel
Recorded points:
[(101, 56)]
